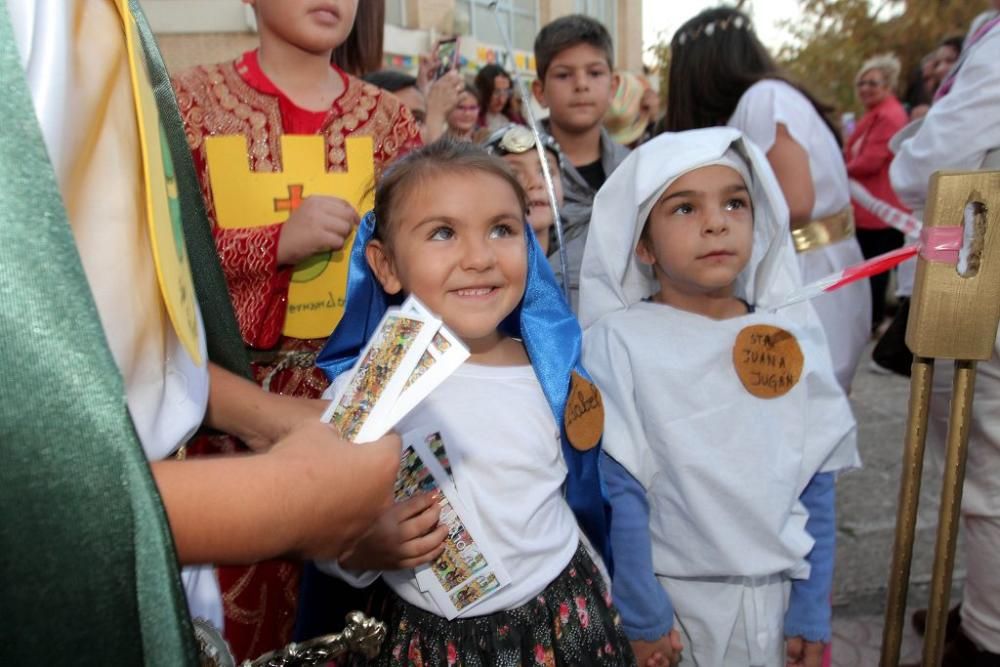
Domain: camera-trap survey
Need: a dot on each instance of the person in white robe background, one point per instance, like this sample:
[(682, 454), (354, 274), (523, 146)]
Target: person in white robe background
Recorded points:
[(962, 132)]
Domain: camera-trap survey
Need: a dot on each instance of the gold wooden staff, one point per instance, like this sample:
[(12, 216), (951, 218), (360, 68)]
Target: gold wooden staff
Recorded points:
[(952, 316)]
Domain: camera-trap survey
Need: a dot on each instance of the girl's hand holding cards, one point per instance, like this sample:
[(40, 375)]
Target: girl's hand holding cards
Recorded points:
[(406, 535)]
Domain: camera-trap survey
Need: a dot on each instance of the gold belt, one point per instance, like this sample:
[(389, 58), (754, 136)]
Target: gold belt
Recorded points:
[(824, 231)]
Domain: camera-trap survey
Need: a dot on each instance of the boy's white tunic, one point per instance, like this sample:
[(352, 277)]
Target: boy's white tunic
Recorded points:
[(722, 470)]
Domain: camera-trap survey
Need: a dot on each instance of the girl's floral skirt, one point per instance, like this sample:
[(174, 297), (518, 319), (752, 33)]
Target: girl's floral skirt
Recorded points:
[(572, 622)]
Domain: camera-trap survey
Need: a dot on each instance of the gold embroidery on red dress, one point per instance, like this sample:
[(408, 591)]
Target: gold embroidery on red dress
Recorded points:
[(216, 100), (259, 602)]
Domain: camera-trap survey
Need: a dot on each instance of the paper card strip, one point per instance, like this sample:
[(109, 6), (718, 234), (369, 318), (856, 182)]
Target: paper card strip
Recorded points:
[(436, 444), (442, 357), (467, 572), (360, 410)]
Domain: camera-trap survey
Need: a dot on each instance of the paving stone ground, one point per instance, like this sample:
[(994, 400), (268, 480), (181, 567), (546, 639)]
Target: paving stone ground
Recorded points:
[(866, 507)]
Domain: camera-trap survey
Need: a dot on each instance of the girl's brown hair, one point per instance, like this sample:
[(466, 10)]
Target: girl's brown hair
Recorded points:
[(714, 58), (361, 52), (444, 156)]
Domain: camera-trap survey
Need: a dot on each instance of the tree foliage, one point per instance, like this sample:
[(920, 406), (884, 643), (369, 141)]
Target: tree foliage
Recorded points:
[(832, 38)]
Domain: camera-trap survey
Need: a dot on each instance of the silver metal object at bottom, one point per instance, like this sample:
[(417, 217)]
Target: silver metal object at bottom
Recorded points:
[(362, 635)]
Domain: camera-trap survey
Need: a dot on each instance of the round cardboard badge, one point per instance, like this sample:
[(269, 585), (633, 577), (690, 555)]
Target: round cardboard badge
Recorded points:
[(768, 360), (584, 415)]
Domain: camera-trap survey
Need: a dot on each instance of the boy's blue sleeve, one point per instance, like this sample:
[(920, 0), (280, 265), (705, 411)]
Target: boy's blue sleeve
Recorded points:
[(808, 614), (647, 613)]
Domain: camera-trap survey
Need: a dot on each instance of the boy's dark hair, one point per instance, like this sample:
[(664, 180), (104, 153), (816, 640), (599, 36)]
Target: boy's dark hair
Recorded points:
[(444, 156), (391, 80), (954, 41), (714, 58), (566, 32)]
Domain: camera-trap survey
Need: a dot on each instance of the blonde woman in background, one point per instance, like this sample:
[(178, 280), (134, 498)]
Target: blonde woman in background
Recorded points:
[(868, 157)]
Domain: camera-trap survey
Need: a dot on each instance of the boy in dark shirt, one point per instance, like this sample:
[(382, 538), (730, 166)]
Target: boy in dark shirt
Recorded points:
[(576, 81)]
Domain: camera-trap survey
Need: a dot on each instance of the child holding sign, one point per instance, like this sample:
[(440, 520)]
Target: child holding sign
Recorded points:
[(724, 422), (276, 220), (520, 421)]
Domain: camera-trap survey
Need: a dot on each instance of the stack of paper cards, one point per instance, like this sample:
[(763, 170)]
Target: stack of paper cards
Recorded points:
[(467, 572), (410, 353)]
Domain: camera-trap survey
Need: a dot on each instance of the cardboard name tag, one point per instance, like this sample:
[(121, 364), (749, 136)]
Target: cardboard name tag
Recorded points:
[(584, 415), (768, 360)]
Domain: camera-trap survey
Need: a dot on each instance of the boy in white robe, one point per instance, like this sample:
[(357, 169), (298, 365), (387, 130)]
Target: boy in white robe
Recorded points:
[(724, 422), (962, 132)]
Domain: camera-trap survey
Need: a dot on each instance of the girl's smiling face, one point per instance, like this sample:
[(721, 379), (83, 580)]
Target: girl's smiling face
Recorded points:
[(457, 242)]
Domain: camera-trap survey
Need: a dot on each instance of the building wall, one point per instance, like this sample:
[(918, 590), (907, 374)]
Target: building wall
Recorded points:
[(629, 35), (200, 31), (181, 51), (436, 15), (553, 9)]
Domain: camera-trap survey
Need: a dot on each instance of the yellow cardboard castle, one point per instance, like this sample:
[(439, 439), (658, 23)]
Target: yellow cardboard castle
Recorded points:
[(245, 199)]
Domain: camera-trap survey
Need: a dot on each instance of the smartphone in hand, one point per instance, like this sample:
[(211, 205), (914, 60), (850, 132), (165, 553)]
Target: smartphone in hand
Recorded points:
[(446, 56)]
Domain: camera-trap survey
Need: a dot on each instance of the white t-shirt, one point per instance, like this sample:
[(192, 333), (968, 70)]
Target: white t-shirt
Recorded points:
[(505, 452), (769, 102)]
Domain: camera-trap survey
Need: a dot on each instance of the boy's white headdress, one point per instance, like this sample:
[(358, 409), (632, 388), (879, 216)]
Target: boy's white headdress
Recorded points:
[(612, 278)]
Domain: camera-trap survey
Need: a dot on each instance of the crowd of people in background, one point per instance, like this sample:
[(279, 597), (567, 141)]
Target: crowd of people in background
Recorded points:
[(667, 233), (634, 116)]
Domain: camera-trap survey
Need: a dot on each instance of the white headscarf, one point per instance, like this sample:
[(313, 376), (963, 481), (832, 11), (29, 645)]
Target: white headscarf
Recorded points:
[(677, 417), (612, 278)]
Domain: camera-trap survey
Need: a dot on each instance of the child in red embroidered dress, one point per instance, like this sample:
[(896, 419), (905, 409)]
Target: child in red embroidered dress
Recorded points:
[(286, 86)]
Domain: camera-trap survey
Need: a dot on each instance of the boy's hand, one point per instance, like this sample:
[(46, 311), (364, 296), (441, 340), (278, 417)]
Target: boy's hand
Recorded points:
[(664, 652), (802, 653), (319, 224), (406, 535)]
